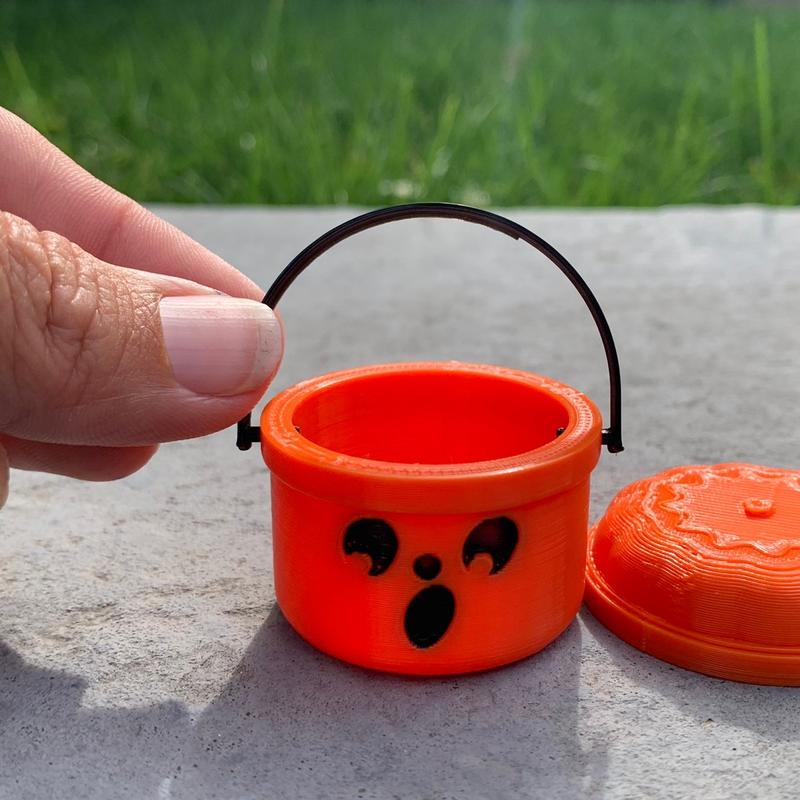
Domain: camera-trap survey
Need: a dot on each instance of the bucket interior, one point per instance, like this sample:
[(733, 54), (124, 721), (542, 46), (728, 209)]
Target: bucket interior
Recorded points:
[(430, 417)]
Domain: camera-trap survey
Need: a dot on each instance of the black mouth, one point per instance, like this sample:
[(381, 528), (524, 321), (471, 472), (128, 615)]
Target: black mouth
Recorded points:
[(429, 615)]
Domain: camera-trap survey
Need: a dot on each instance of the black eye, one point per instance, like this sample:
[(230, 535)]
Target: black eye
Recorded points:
[(497, 537), (374, 538)]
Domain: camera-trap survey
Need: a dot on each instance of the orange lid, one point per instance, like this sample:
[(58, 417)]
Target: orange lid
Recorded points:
[(700, 566)]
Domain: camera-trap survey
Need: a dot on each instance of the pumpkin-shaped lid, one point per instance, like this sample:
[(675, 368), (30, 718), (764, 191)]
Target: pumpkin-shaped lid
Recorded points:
[(700, 566)]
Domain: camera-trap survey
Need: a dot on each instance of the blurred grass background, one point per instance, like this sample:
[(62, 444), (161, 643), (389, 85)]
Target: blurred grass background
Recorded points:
[(502, 102)]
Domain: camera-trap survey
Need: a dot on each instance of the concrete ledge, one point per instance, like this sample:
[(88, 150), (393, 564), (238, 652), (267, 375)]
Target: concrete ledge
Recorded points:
[(143, 656)]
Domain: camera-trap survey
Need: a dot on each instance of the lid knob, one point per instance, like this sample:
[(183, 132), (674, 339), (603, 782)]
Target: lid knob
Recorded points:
[(758, 507)]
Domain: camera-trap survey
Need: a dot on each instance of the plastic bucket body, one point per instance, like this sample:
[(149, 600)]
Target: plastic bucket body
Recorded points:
[(430, 518)]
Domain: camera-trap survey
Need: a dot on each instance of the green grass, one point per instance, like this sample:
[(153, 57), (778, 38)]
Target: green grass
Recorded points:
[(503, 102)]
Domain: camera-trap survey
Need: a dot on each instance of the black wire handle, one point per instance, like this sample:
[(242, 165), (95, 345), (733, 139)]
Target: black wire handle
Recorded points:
[(612, 436)]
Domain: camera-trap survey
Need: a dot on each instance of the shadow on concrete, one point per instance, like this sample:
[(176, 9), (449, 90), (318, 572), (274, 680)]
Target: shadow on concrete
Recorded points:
[(294, 723), (761, 709), (51, 747)]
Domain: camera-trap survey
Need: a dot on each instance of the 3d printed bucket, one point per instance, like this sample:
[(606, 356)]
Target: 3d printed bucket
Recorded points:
[(431, 518)]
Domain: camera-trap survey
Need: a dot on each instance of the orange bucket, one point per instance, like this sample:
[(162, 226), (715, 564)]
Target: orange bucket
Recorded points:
[(431, 518)]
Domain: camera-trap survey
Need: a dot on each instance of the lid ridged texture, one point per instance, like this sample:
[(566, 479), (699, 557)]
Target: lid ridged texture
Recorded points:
[(700, 566)]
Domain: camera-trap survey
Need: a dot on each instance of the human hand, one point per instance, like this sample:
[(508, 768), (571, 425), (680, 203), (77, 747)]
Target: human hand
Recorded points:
[(114, 332)]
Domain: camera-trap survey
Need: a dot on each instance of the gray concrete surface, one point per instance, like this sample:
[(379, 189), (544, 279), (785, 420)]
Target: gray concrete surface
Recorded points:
[(142, 653)]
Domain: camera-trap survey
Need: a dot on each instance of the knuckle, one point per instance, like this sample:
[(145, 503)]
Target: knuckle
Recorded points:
[(72, 300), (24, 286), (53, 305)]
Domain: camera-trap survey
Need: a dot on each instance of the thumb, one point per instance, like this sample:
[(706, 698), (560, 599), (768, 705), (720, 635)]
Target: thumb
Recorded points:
[(95, 354)]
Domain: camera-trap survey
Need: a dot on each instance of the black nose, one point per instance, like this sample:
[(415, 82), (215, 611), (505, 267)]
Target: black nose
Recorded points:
[(427, 567)]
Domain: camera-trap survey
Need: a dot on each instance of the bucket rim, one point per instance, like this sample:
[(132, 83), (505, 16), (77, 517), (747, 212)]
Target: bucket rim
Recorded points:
[(504, 482)]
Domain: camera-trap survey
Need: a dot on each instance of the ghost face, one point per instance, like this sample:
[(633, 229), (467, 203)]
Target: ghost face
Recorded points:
[(431, 610), (430, 594)]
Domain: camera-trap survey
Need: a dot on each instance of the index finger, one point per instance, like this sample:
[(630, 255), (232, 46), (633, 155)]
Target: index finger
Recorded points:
[(44, 186)]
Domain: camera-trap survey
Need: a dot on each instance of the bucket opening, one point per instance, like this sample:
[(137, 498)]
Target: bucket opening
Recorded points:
[(431, 417)]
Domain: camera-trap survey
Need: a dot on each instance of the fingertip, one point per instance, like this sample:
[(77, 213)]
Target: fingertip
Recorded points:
[(117, 463), (87, 463)]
